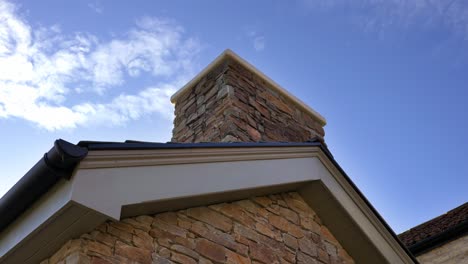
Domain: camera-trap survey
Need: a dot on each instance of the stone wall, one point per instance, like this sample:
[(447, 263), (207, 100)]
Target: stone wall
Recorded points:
[(453, 252), (231, 104), (270, 229)]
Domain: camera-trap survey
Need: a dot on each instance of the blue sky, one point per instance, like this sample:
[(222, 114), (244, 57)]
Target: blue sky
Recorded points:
[(389, 76)]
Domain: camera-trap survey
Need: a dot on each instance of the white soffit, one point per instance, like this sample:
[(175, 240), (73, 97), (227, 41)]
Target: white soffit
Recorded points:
[(230, 54)]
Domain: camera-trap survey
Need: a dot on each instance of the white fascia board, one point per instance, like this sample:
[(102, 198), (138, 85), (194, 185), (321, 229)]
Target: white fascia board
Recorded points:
[(31, 220), (362, 215)]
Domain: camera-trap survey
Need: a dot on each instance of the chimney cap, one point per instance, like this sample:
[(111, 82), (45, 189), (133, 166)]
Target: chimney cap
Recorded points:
[(230, 54)]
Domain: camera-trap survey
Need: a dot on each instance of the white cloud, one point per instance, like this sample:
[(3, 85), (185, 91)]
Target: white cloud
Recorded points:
[(42, 69)]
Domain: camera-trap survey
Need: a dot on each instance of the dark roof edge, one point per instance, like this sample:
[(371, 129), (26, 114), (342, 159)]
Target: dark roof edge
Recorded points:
[(434, 241), (140, 145), (376, 213), (58, 163)]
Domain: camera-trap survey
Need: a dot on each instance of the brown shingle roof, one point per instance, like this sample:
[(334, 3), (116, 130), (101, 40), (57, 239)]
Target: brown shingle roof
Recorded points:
[(453, 219)]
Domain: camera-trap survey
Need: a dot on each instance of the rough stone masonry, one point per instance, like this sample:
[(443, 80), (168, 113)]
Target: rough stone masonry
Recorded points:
[(269, 229), (233, 104)]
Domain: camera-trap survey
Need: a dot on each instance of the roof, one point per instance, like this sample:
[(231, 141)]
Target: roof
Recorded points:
[(73, 156), (437, 231), (138, 145), (231, 55)]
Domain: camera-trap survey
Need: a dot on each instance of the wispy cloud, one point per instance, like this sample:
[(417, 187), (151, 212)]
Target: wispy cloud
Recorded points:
[(259, 43), (96, 7), (42, 70), (258, 40), (381, 15)]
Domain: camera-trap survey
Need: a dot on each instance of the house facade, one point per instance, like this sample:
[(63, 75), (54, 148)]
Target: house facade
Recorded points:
[(247, 178), (443, 239)]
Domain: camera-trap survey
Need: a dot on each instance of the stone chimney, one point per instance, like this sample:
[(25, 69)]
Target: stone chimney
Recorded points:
[(231, 101)]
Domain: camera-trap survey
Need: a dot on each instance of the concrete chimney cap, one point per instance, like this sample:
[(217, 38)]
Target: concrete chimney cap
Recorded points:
[(230, 54)]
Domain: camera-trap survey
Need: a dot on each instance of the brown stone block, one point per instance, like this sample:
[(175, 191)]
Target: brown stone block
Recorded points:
[(289, 214), (183, 259), (186, 106), (105, 238), (257, 237), (309, 224), (98, 260), (99, 248), (323, 256), (262, 200), (248, 205), (169, 228), (264, 111), (211, 92), (210, 217), (263, 253), (307, 246), (268, 231), (186, 251), (297, 204), (277, 102), (186, 242), (331, 249), (240, 96), (142, 239), (235, 212), (234, 258), (122, 226), (120, 234), (290, 241), (164, 238), (133, 253), (210, 250), (218, 237), (137, 224), (168, 217), (184, 223), (253, 133), (285, 226), (305, 259), (164, 252)]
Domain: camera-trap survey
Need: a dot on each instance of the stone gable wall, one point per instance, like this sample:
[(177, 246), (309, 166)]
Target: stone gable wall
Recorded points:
[(270, 229), (233, 105), (453, 252)]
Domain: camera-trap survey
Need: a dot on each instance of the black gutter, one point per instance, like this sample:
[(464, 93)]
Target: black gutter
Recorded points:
[(56, 164), (435, 241), (133, 145)]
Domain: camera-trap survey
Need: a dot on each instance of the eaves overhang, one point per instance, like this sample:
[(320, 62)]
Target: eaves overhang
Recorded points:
[(58, 163), (118, 180)]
